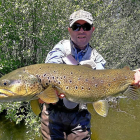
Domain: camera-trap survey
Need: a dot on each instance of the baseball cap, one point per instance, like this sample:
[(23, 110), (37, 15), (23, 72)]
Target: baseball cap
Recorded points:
[(80, 15)]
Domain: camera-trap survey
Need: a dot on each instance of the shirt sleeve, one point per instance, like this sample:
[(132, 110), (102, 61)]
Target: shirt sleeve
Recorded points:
[(56, 54), (99, 66), (99, 60)]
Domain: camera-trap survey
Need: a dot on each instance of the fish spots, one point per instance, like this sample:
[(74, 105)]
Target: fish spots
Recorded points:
[(71, 73), (67, 87), (96, 85), (70, 82), (76, 87), (93, 77), (102, 81), (40, 80), (82, 88), (86, 80), (44, 75), (79, 78), (125, 77), (89, 88), (38, 76)]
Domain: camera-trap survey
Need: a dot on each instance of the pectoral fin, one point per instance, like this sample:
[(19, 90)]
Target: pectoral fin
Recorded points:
[(101, 107), (35, 106), (49, 95)]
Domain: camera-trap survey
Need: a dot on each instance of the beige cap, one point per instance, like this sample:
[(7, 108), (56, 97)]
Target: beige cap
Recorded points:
[(80, 15)]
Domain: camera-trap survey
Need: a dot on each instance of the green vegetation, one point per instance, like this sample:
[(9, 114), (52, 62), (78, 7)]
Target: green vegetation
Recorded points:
[(29, 29)]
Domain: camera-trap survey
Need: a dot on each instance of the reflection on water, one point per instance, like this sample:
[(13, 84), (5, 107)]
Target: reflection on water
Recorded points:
[(9, 130), (122, 123)]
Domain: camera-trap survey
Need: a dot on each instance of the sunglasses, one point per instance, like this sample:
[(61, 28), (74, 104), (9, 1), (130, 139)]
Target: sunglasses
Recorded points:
[(77, 27)]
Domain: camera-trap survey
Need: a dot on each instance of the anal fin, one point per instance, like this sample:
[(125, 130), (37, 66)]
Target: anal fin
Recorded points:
[(101, 107)]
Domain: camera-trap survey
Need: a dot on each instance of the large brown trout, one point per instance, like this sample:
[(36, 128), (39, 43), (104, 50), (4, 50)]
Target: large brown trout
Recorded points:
[(78, 84)]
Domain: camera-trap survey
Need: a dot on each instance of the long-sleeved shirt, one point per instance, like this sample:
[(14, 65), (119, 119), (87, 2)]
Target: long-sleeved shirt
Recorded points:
[(58, 52)]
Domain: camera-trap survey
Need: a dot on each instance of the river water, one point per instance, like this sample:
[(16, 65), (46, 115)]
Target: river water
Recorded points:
[(122, 123), (9, 130)]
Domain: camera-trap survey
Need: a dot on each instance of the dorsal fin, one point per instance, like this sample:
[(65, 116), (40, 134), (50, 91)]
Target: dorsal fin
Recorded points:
[(126, 68)]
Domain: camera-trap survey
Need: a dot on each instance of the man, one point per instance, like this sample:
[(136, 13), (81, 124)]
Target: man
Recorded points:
[(66, 120)]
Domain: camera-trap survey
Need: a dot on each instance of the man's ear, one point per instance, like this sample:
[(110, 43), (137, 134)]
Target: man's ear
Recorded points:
[(69, 29)]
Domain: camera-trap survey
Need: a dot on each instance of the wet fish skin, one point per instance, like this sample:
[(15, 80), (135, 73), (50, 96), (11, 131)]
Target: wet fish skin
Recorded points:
[(79, 84), (19, 86)]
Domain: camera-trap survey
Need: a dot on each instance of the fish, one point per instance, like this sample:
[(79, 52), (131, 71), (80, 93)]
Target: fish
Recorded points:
[(76, 83)]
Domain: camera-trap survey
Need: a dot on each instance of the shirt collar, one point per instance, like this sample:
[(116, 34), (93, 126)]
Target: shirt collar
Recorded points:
[(75, 49)]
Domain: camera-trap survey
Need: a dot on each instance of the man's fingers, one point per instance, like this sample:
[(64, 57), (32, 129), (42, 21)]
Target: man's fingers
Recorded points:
[(137, 77)]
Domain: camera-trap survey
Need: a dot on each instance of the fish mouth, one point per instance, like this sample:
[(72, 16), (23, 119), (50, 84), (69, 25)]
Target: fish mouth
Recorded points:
[(3, 95), (6, 93)]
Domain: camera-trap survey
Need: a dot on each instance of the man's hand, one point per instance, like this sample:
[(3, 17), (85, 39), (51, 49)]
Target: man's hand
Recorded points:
[(137, 77)]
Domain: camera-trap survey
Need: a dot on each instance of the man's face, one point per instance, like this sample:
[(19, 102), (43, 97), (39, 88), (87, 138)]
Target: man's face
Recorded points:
[(81, 38)]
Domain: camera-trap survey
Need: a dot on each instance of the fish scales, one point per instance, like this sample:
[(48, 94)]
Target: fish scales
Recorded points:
[(78, 83), (82, 84)]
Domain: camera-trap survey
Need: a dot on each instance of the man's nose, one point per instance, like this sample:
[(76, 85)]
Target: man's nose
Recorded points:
[(81, 30)]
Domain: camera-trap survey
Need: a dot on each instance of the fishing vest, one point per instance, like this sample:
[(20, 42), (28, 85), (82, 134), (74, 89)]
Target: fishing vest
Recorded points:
[(91, 57)]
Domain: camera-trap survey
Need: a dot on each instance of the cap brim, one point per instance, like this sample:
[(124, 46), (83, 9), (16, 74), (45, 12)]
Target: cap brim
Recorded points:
[(73, 21)]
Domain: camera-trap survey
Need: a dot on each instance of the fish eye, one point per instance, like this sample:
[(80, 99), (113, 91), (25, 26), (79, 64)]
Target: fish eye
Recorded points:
[(5, 83)]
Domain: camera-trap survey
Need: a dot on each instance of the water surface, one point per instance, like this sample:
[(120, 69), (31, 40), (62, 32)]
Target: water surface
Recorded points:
[(9, 130), (122, 123)]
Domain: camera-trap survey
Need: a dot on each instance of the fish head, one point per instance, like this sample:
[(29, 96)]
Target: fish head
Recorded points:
[(19, 84)]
